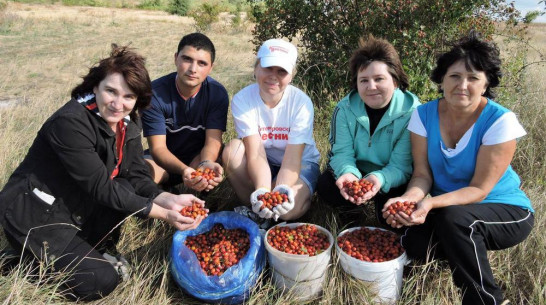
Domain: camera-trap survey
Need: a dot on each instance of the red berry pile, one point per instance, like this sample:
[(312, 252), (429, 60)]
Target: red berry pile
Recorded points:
[(371, 245), (206, 173), (193, 211), (272, 199), (219, 248), (357, 188), (305, 239), (407, 207)]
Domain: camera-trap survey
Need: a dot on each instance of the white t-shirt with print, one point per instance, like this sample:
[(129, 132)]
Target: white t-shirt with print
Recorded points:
[(289, 122)]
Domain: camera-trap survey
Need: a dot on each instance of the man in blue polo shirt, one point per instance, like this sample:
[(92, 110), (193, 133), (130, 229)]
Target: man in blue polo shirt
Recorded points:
[(187, 117)]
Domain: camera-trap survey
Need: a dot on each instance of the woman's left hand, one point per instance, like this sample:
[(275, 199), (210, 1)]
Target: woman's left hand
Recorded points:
[(176, 202), (376, 187), (417, 217)]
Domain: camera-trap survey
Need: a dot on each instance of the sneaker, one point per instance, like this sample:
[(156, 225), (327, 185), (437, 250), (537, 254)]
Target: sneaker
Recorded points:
[(506, 302), (263, 223), (120, 264)]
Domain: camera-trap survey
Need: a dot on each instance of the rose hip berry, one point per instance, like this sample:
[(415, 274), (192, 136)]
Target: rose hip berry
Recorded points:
[(407, 207), (357, 188), (193, 211), (272, 199), (206, 173), (303, 240), (219, 248), (371, 245)]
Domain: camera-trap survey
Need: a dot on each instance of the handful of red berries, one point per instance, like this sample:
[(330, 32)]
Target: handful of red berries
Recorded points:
[(407, 207), (370, 245), (219, 248), (357, 188), (206, 173), (193, 211), (272, 199)]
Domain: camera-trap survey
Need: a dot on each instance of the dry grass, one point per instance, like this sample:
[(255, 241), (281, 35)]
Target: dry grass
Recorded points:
[(43, 50)]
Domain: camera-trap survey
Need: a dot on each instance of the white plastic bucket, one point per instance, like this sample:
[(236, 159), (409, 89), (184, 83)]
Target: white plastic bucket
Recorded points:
[(385, 276), (303, 275)]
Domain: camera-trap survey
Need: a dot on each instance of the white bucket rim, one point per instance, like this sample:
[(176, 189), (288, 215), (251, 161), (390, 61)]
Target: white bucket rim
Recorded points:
[(270, 248), (402, 258)]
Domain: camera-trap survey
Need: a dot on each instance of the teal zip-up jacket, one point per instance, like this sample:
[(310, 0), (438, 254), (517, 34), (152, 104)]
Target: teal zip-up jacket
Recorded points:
[(386, 154)]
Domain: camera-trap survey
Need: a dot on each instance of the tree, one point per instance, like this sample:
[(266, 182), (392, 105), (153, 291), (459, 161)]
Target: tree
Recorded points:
[(328, 31)]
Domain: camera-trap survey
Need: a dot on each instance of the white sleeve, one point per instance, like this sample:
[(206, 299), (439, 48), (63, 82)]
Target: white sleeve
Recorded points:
[(505, 128), (244, 118), (415, 125)]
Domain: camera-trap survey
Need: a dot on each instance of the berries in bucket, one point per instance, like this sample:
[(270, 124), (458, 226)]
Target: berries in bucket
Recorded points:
[(375, 256), (305, 239), (371, 245), (299, 255)]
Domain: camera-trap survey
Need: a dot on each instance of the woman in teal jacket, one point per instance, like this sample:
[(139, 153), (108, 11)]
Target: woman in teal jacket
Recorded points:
[(368, 134)]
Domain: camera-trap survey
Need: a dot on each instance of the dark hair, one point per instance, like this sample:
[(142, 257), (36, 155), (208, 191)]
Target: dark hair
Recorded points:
[(377, 49), (476, 53), (125, 61), (198, 41)]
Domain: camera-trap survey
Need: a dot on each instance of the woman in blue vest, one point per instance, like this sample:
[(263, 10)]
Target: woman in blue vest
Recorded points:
[(462, 146)]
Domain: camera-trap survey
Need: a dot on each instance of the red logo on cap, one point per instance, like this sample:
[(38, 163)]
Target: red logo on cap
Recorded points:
[(277, 48)]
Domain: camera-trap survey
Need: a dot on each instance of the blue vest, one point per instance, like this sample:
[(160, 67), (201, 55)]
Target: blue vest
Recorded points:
[(455, 172)]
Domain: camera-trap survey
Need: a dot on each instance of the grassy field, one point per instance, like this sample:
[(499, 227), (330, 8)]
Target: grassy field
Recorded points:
[(44, 49)]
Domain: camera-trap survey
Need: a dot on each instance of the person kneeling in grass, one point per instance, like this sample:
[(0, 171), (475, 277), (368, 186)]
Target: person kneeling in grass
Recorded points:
[(275, 150)]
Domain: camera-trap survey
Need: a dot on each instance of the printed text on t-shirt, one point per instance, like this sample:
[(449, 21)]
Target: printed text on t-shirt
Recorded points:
[(274, 133)]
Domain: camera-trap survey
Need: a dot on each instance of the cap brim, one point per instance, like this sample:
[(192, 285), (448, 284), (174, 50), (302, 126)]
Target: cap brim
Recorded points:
[(266, 62)]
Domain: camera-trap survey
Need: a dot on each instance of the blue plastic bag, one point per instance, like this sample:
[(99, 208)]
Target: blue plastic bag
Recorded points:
[(234, 285)]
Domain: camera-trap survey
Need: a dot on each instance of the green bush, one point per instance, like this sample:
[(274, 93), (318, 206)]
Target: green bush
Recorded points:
[(150, 5), (328, 31), (179, 7), (205, 15), (80, 2)]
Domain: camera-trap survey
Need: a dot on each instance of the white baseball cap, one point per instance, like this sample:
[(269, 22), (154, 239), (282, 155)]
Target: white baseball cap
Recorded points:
[(278, 52)]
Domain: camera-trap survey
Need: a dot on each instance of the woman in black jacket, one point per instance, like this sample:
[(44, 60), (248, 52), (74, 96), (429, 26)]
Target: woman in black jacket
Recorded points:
[(84, 174)]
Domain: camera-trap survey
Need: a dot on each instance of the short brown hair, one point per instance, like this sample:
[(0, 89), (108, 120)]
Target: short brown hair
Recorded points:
[(476, 53), (377, 49), (125, 61)]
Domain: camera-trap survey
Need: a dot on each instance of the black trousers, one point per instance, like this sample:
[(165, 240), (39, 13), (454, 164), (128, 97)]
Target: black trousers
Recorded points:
[(89, 275), (348, 211), (462, 235)]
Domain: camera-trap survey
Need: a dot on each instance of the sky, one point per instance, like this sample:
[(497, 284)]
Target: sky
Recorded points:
[(525, 6)]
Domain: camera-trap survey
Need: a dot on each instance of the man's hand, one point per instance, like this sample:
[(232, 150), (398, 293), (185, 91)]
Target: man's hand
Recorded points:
[(217, 169), (197, 183)]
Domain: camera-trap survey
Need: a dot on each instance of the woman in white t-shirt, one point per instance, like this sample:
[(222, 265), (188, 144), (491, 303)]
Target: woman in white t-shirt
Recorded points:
[(275, 150)]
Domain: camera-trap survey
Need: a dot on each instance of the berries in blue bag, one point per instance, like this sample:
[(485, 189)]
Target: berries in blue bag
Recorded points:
[(231, 286)]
